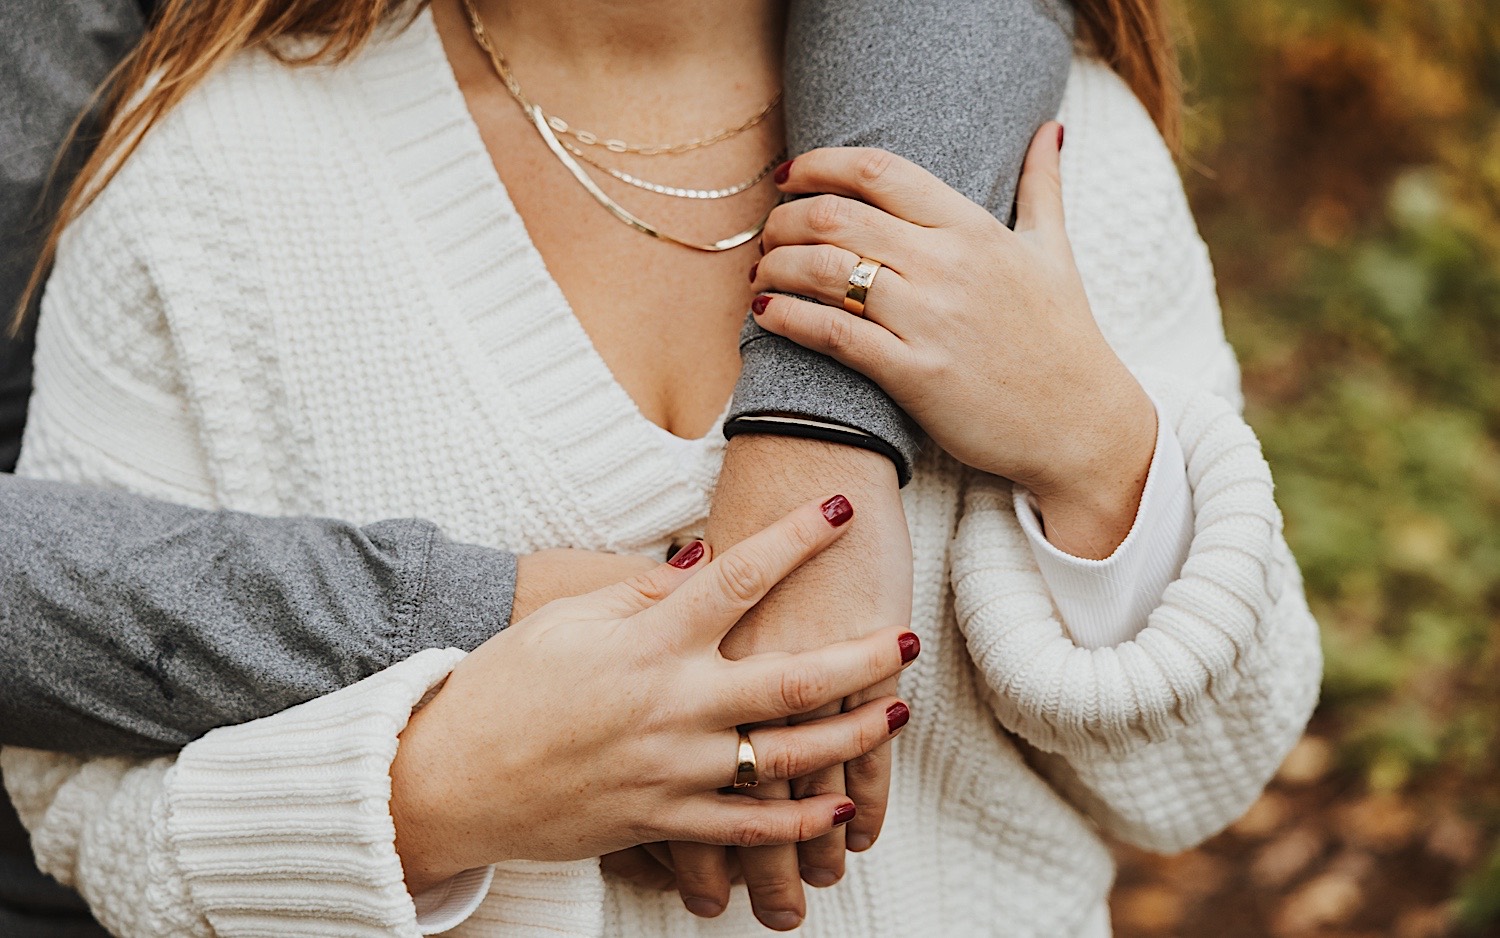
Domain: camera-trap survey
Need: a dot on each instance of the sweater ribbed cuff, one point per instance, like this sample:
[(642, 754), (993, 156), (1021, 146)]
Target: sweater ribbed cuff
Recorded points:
[(1074, 701), (282, 826), (448, 904), (1107, 602)]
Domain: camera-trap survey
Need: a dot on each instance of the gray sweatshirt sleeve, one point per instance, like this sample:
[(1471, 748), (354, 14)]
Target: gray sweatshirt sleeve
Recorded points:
[(959, 88), (135, 626)]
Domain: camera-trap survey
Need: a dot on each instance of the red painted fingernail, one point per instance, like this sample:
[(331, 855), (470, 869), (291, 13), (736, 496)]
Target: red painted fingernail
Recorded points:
[(843, 814), (896, 716), (1060, 131), (753, 269), (910, 645), (689, 555), (783, 171), (838, 511), (759, 304)]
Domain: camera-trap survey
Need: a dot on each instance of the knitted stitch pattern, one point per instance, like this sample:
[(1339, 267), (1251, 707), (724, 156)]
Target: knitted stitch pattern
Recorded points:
[(308, 292)]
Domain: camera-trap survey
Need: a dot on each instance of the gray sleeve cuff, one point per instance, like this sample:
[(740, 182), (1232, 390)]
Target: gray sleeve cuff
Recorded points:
[(781, 377), (465, 598)]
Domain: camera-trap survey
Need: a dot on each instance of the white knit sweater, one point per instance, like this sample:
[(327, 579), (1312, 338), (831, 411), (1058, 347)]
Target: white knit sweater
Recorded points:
[(309, 293)]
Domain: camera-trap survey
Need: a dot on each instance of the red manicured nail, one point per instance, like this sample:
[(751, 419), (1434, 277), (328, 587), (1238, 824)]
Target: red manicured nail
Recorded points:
[(838, 511), (753, 268), (759, 304), (783, 171), (896, 716), (689, 555), (843, 814), (1060, 131), (910, 646)]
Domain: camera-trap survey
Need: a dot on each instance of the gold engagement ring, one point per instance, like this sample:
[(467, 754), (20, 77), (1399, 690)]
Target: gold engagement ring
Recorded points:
[(860, 279)]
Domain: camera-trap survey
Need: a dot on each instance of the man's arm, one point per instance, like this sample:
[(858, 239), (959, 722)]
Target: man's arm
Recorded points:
[(133, 625), (959, 89)]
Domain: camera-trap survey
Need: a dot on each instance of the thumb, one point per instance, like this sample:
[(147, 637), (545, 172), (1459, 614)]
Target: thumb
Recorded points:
[(645, 590), (1039, 201)]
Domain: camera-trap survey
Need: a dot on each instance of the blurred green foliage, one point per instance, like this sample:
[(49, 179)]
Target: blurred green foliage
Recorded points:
[(1345, 162)]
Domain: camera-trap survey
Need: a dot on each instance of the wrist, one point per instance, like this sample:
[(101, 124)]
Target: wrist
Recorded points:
[(562, 572), (861, 583), (765, 476), (1089, 505), (420, 805)]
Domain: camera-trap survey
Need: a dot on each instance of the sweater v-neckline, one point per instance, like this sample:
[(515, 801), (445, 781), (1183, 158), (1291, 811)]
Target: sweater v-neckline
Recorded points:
[(512, 329)]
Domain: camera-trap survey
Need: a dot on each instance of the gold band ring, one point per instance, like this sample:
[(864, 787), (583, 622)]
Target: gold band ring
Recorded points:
[(860, 279), (745, 775)]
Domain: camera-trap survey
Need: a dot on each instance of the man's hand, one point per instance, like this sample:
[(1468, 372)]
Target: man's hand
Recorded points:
[(859, 585), (556, 574)]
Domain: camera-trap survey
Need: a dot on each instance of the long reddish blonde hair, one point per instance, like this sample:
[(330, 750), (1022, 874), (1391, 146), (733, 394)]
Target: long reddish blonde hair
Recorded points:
[(189, 39)]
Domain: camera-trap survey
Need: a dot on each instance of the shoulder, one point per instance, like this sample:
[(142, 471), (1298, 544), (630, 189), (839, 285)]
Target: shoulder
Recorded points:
[(1121, 185), (259, 128), (1147, 269)]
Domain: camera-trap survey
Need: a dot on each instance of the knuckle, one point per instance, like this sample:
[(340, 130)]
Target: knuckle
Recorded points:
[(775, 887), (697, 876), (785, 763), (805, 537), (829, 267), (826, 214), (839, 336), (776, 221), (866, 767), (648, 586), (740, 576), (874, 165), (752, 832), (802, 690), (807, 828)]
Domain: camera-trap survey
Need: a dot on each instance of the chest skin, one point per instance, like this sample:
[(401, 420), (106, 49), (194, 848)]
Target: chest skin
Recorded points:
[(665, 319)]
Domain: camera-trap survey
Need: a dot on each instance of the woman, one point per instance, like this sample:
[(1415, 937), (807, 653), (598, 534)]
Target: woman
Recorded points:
[(1161, 740)]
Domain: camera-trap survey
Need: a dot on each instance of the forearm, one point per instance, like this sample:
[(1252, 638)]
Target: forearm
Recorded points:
[(959, 89), (867, 573), (136, 626)]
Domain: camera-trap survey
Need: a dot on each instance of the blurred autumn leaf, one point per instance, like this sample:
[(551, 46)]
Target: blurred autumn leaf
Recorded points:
[(1344, 161)]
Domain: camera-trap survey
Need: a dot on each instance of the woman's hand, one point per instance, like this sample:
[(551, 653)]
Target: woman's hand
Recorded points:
[(982, 334), (857, 586), (609, 720)]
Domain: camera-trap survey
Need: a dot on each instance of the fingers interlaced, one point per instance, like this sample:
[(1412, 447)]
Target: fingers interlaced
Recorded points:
[(770, 686), (741, 821), (702, 876)]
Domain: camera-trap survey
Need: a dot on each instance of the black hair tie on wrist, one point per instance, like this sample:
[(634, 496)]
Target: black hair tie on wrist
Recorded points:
[(817, 430)]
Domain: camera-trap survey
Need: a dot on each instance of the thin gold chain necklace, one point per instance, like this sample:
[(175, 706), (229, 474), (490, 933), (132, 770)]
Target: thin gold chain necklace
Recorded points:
[(549, 137), (589, 138), (615, 145)]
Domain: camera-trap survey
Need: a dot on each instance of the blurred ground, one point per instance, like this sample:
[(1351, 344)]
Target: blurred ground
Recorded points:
[(1344, 160)]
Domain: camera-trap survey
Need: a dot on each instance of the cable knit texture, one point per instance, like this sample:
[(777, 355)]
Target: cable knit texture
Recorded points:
[(309, 292)]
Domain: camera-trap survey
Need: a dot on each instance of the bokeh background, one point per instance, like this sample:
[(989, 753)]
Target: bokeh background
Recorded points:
[(1344, 160)]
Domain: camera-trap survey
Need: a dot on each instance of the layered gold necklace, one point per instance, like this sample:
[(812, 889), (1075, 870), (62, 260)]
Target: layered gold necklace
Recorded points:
[(569, 152)]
